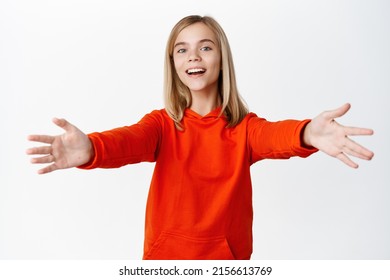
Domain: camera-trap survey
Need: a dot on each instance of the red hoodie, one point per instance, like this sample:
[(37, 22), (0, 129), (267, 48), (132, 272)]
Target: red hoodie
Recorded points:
[(200, 198)]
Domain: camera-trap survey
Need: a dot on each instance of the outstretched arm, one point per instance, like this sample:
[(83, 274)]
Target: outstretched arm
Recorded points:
[(325, 134), (71, 149)]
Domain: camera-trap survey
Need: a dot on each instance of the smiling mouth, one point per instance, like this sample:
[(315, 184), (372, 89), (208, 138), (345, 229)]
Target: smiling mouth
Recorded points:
[(196, 71)]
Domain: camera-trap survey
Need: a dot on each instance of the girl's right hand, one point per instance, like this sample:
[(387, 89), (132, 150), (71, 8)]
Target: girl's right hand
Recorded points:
[(71, 149)]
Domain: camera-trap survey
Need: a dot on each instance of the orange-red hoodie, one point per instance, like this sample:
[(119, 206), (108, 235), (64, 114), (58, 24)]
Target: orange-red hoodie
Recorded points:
[(200, 198)]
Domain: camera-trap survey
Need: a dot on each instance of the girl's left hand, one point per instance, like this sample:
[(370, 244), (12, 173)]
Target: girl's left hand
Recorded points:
[(325, 134)]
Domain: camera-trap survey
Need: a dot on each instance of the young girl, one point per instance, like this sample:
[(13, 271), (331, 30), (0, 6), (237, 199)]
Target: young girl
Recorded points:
[(203, 142)]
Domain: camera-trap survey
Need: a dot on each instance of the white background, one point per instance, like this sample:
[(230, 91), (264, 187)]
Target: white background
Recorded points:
[(100, 65)]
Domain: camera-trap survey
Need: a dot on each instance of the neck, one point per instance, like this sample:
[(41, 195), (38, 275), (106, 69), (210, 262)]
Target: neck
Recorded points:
[(203, 103)]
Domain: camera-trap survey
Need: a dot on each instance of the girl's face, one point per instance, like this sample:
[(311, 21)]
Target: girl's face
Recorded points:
[(197, 59)]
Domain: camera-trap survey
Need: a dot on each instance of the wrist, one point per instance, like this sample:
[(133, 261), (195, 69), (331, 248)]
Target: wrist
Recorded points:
[(306, 136)]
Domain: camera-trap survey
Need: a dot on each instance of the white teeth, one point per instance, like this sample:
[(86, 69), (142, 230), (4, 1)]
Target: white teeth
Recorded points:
[(195, 70)]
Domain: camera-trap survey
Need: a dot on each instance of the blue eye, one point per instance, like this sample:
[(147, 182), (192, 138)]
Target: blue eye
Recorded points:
[(181, 51), (205, 49)]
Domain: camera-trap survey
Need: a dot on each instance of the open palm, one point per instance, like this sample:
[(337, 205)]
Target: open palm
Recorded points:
[(71, 149), (332, 138)]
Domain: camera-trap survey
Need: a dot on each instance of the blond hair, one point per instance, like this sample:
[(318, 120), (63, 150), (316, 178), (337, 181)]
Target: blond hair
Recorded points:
[(177, 96)]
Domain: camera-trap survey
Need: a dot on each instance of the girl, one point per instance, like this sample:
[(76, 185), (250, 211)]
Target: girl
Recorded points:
[(203, 142)]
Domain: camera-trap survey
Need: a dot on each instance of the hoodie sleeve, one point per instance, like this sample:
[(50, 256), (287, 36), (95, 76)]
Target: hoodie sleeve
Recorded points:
[(276, 140), (126, 145)]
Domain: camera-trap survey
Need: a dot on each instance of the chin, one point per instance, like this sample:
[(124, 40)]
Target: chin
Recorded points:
[(197, 87)]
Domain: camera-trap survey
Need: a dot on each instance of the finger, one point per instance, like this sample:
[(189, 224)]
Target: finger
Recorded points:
[(45, 159), (41, 138), (47, 169), (357, 150), (64, 124), (356, 131), (366, 155), (347, 160), (339, 112), (44, 150)]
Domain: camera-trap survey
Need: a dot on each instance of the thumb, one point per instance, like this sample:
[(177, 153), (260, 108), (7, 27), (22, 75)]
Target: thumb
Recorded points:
[(64, 124), (339, 112)]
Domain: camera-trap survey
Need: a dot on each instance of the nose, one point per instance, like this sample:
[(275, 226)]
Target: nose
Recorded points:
[(193, 55)]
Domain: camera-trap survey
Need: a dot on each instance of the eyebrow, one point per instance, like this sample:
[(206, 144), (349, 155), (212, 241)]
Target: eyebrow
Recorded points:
[(201, 41)]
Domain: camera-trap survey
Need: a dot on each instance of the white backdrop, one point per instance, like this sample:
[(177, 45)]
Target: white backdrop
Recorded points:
[(100, 65)]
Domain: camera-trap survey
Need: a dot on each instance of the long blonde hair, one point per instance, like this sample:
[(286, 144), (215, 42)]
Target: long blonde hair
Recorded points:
[(177, 95)]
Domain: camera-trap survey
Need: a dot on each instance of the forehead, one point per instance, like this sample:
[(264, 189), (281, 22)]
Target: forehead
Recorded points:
[(195, 33)]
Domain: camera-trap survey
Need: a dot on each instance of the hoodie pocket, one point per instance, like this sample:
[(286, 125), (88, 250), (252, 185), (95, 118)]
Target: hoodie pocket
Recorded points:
[(170, 246)]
